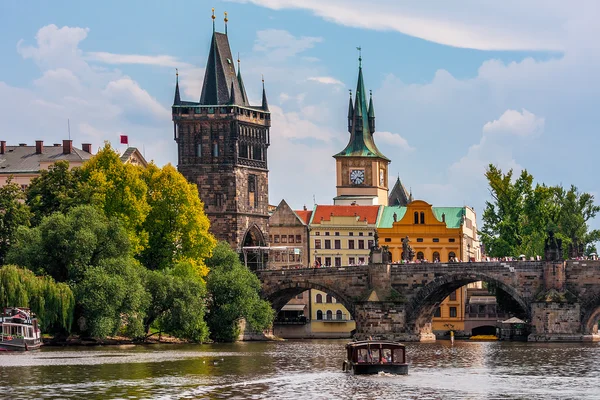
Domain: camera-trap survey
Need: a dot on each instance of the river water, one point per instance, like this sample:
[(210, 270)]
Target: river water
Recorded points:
[(302, 370)]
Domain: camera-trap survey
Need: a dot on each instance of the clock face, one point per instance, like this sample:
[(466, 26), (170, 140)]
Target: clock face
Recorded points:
[(357, 176)]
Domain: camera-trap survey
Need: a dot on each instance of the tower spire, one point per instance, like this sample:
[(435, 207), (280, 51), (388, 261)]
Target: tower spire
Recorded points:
[(265, 105), (359, 56), (177, 99), (371, 113), (350, 112)]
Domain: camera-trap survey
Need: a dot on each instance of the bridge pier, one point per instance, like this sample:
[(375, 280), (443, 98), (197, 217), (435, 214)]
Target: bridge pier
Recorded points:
[(558, 322), (387, 320)]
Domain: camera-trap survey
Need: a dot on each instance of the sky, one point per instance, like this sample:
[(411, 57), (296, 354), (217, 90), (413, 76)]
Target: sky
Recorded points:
[(456, 85)]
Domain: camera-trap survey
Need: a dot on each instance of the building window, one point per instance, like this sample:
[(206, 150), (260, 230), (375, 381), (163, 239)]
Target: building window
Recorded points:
[(198, 149), (319, 315), (219, 200), (351, 260), (361, 244), (351, 244), (317, 233), (350, 233), (329, 315), (319, 298), (436, 256), (252, 191), (298, 238), (438, 312), (420, 256), (370, 233), (326, 233), (327, 244), (387, 240), (329, 299), (337, 244), (419, 240), (422, 217), (291, 239), (283, 238), (369, 244), (452, 312), (338, 261), (317, 243), (436, 240), (328, 261), (276, 238), (318, 261), (453, 296), (360, 233), (339, 315), (452, 240), (361, 260), (451, 256), (416, 218), (337, 234), (215, 149)]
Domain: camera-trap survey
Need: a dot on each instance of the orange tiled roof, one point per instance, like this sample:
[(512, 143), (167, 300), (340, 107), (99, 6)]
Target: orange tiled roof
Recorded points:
[(325, 212), (304, 215)]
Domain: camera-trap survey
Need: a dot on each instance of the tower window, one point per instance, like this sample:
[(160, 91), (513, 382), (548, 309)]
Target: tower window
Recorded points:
[(422, 217), (219, 199), (198, 149), (215, 149), (416, 217), (252, 191)]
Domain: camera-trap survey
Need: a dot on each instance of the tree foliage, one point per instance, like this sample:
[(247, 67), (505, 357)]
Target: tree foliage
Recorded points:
[(13, 214), (519, 217), (52, 302), (176, 224), (234, 294)]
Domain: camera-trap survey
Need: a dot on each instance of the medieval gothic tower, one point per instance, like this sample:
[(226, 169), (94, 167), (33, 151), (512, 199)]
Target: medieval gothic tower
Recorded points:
[(222, 144)]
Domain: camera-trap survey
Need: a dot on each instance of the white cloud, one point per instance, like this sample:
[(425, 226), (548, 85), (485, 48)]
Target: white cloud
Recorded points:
[(55, 46), (327, 80), (393, 139), (510, 25), (280, 44), (159, 60), (516, 123), (131, 96)]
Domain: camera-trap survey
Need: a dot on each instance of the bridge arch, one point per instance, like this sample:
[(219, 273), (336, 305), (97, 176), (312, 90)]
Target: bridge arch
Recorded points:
[(590, 315), (422, 306), (287, 290)]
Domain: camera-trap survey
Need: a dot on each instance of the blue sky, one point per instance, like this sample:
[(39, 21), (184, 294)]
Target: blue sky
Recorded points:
[(455, 87)]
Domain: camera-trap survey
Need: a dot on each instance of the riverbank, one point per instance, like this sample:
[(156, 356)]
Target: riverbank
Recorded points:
[(75, 340)]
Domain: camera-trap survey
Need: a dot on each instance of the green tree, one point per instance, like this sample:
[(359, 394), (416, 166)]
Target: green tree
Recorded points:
[(54, 190), (63, 246), (178, 302), (176, 224), (13, 214), (233, 295), (576, 210), (52, 302), (119, 190)]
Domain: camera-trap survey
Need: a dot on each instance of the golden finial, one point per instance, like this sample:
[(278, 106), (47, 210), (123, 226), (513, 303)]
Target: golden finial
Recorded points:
[(176, 72), (226, 22), (213, 13)]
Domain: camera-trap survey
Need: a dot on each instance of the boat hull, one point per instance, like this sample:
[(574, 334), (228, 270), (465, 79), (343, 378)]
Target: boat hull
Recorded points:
[(372, 369), (20, 345)]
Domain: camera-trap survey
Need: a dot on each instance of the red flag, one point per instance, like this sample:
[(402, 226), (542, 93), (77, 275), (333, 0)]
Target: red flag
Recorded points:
[(124, 139)]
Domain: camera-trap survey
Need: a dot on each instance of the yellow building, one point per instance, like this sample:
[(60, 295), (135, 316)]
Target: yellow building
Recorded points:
[(436, 234), (342, 235), (328, 317)]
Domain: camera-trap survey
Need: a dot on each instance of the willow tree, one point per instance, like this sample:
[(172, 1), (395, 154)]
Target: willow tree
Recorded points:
[(52, 302), (176, 224)]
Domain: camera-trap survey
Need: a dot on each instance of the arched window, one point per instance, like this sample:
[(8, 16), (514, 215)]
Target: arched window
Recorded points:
[(422, 217), (329, 315), (416, 217), (319, 298), (451, 256), (329, 299), (420, 255), (338, 314), (436, 256), (319, 314)]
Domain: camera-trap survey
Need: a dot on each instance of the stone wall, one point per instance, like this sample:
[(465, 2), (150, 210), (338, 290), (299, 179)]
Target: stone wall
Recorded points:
[(552, 322)]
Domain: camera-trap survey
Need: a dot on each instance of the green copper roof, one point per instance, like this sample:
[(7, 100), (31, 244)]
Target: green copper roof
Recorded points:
[(361, 142), (387, 216), (453, 215)]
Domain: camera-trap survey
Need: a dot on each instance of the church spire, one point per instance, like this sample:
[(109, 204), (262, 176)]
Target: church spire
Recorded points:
[(371, 113), (177, 99), (350, 112), (265, 105)]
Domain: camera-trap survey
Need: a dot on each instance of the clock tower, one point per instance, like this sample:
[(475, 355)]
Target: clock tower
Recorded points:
[(361, 169)]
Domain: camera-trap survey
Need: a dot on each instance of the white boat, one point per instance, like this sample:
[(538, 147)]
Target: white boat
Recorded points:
[(19, 330)]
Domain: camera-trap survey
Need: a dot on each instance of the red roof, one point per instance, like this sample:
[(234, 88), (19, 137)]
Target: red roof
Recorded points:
[(324, 213), (304, 215)]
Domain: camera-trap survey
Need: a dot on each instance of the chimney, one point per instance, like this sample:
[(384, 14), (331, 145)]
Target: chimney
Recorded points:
[(67, 146), (87, 147), (3, 147), (39, 146)]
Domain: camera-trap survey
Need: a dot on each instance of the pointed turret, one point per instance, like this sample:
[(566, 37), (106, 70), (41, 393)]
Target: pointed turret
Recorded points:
[(265, 105), (244, 98), (399, 196), (371, 114), (232, 95), (177, 99), (350, 112)]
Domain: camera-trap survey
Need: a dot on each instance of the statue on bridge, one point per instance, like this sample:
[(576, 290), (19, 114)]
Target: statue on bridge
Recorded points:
[(407, 251), (552, 247)]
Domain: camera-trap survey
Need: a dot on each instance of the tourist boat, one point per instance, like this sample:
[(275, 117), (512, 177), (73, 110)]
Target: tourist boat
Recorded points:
[(374, 356), (19, 330)]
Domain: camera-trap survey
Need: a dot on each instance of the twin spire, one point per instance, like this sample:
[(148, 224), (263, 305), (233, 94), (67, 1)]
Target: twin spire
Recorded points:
[(222, 86)]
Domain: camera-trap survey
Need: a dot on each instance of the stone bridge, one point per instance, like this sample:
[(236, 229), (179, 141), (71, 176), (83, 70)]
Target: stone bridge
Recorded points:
[(397, 301)]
